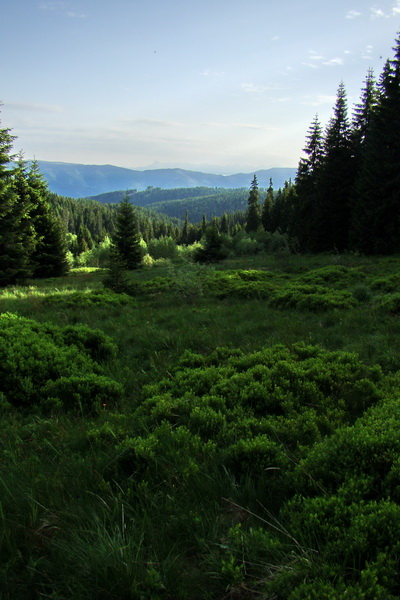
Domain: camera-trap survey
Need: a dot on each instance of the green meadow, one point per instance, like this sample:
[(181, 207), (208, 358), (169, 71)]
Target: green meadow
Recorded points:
[(226, 432)]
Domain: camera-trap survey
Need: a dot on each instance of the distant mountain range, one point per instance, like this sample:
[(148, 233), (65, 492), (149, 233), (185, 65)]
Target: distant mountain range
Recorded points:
[(81, 181)]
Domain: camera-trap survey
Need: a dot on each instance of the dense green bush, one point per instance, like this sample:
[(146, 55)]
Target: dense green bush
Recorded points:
[(87, 299), (390, 304), (258, 409), (315, 298), (35, 356), (335, 275)]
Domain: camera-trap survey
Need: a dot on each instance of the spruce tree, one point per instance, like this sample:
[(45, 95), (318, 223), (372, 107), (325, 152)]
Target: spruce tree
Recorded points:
[(267, 208), (306, 181), (126, 237), (17, 235), (332, 214), (376, 224), (49, 256), (253, 215)]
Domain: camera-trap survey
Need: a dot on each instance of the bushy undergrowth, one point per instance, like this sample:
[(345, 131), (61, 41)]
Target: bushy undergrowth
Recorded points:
[(39, 362), (214, 454), (87, 299)]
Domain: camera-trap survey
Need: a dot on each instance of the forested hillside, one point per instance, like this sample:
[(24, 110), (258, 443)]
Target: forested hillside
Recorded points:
[(198, 201)]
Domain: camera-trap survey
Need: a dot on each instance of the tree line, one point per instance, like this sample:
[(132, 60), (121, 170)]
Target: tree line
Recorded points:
[(32, 240), (347, 189)]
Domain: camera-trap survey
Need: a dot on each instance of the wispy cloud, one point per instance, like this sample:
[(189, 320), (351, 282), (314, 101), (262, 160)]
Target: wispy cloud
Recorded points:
[(52, 5), (333, 62), (252, 88), (48, 108), (367, 52), (149, 123), (353, 14), (58, 5), (319, 59), (319, 100), (377, 13), (252, 126)]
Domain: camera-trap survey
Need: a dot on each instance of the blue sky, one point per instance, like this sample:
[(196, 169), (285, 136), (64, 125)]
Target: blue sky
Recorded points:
[(217, 85)]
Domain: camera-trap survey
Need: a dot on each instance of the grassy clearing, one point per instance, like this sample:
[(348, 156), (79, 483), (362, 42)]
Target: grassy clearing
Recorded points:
[(170, 493)]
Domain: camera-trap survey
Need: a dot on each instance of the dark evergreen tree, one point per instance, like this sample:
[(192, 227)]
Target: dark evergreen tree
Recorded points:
[(212, 251), (184, 239), (306, 181), (126, 237), (332, 214), (253, 220), (376, 220), (117, 278), (17, 235), (224, 225), (267, 208), (49, 256)]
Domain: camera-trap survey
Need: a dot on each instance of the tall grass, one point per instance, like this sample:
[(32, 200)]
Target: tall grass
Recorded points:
[(71, 528)]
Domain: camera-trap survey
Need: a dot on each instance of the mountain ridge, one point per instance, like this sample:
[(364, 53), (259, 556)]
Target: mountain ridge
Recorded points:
[(77, 180)]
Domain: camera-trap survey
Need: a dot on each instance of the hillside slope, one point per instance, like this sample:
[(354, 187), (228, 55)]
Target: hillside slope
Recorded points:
[(80, 181)]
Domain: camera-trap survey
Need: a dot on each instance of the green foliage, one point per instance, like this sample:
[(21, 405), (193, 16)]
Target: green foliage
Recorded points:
[(391, 304), (87, 299), (89, 393), (35, 356), (315, 298)]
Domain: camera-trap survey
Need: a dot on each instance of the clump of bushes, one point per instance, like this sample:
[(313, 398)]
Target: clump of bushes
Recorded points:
[(335, 275), (240, 283), (42, 365), (315, 298), (390, 304), (254, 409), (88, 299)]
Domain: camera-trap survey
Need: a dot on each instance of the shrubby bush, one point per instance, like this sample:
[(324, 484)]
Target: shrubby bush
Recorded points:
[(163, 247), (316, 298), (36, 358), (390, 304), (336, 275), (260, 410), (87, 299)]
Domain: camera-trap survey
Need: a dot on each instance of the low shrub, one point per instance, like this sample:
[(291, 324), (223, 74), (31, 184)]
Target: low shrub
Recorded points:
[(315, 298), (390, 304), (338, 276), (35, 355), (87, 299)]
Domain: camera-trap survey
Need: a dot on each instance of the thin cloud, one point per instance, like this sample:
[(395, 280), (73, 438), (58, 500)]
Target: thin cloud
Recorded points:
[(56, 5), (367, 52), (333, 62), (319, 100), (252, 88), (252, 126), (75, 15), (377, 13), (52, 108), (396, 8), (353, 14)]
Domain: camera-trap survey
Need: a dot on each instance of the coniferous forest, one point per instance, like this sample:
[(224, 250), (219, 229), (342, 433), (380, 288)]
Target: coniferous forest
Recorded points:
[(207, 407)]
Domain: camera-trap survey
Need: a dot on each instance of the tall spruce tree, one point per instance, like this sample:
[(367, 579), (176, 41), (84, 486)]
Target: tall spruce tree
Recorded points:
[(307, 179), (267, 208), (253, 220), (126, 237), (49, 255), (17, 236), (332, 214), (376, 224)]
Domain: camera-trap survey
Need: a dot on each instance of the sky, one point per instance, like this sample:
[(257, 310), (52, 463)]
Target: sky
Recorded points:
[(214, 85)]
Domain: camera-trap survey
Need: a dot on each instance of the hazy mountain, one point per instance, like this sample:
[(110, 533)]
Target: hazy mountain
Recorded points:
[(81, 181)]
